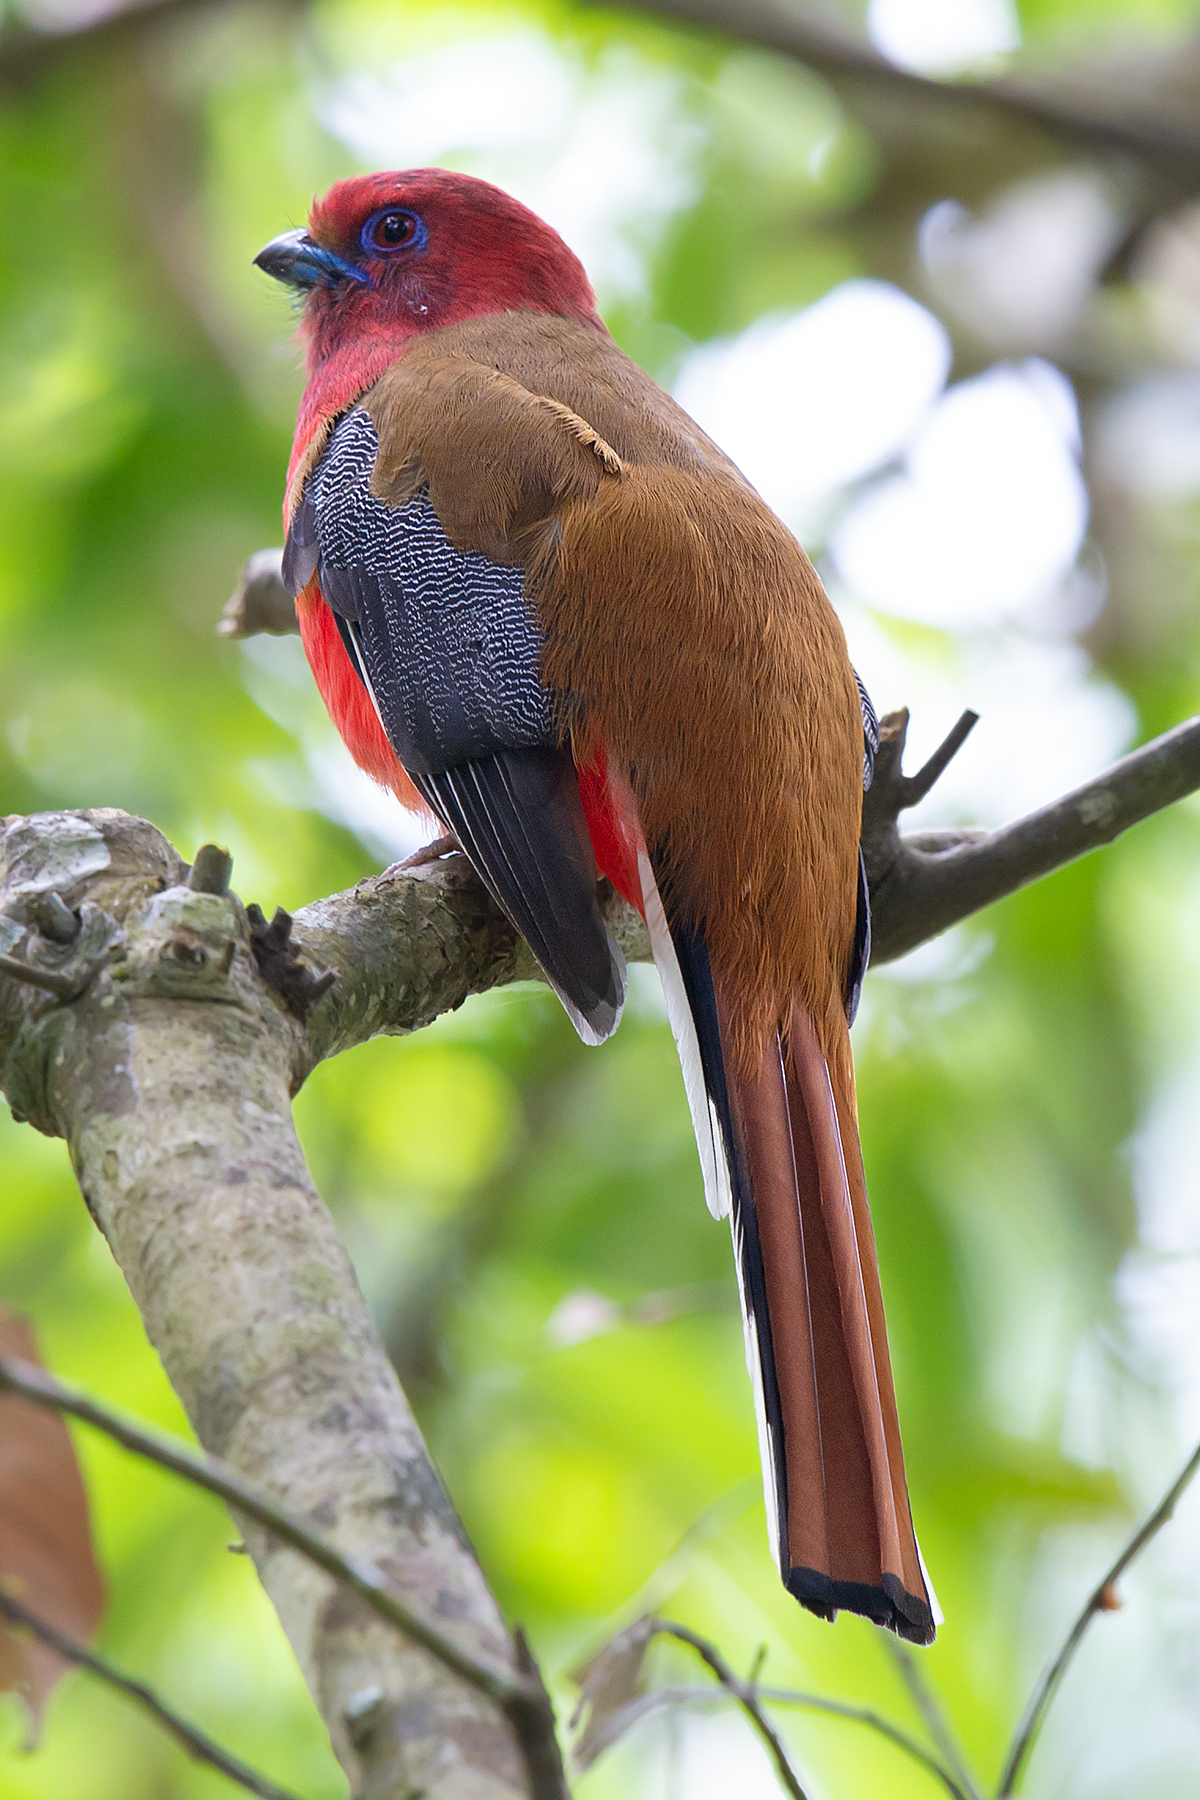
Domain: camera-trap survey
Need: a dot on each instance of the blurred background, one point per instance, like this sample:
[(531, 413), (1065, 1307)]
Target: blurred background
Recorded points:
[(934, 280)]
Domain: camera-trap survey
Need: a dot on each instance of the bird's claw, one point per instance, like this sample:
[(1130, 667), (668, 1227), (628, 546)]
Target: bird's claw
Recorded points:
[(446, 845), (281, 967)]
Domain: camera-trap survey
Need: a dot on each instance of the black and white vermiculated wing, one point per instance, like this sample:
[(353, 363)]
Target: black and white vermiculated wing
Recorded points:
[(870, 724), (448, 647), (860, 954)]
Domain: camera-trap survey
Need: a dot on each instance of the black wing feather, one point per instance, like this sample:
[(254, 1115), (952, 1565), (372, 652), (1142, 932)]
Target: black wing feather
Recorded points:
[(860, 950), (517, 815)]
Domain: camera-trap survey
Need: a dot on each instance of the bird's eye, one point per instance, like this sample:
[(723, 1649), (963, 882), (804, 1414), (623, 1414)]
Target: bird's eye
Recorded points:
[(391, 230)]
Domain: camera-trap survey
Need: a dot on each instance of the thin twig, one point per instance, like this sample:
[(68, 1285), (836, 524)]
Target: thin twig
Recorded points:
[(194, 1742), (834, 1709), (865, 1715), (1102, 1599), (920, 884), (917, 786), (747, 1698), (933, 1713), (260, 602), (507, 1689), (924, 883)]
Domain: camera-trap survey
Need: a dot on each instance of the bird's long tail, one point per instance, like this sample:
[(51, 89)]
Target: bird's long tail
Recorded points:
[(780, 1154)]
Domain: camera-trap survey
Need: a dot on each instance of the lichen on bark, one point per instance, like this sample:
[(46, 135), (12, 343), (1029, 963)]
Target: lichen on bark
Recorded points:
[(170, 1077)]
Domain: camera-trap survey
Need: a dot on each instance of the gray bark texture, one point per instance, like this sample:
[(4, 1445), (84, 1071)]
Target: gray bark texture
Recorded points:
[(170, 1076)]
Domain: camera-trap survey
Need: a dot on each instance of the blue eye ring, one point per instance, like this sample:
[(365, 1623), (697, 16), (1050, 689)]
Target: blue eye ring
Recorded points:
[(393, 228)]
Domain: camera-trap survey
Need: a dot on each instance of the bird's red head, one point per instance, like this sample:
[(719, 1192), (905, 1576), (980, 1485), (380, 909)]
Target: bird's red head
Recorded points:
[(386, 256)]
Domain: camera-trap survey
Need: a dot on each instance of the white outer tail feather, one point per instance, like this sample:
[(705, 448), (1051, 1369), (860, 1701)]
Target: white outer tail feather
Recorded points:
[(714, 1164), (766, 1452)]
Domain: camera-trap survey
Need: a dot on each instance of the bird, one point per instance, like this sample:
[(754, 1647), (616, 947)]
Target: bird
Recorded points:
[(541, 605)]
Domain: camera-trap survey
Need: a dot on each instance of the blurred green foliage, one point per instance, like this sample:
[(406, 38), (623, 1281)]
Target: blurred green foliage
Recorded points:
[(490, 1169)]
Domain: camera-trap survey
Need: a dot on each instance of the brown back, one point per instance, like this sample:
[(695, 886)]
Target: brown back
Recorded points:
[(682, 619)]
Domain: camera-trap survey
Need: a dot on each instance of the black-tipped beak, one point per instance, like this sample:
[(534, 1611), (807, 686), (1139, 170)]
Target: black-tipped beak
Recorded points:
[(296, 260)]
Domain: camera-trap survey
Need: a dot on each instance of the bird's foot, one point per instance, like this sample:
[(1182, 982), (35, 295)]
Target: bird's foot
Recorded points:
[(446, 845), (280, 965)]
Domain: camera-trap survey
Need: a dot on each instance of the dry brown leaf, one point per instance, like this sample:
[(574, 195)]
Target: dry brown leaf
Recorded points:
[(610, 1692), (46, 1558)]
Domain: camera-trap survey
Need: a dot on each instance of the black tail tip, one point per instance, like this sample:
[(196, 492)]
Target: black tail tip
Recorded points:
[(890, 1604)]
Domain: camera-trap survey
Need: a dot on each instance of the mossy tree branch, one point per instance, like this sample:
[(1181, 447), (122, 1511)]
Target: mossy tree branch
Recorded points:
[(170, 1075)]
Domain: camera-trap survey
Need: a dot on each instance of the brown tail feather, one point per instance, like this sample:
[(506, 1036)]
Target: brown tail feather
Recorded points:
[(846, 1531)]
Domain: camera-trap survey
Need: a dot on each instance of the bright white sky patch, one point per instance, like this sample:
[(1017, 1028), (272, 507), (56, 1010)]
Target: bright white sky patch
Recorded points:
[(1164, 1161), (1148, 441), (989, 513), (503, 96), (706, 1758), (806, 404), (606, 154), (1023, 270), (943, 37), (1047, 722), (68, 15)]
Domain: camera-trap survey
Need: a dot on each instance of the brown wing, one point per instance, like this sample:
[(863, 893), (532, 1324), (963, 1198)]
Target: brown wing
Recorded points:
[(531, 384), (683, 623)]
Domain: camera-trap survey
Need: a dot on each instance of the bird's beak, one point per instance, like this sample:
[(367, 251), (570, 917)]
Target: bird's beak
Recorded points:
[(295, 259)]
